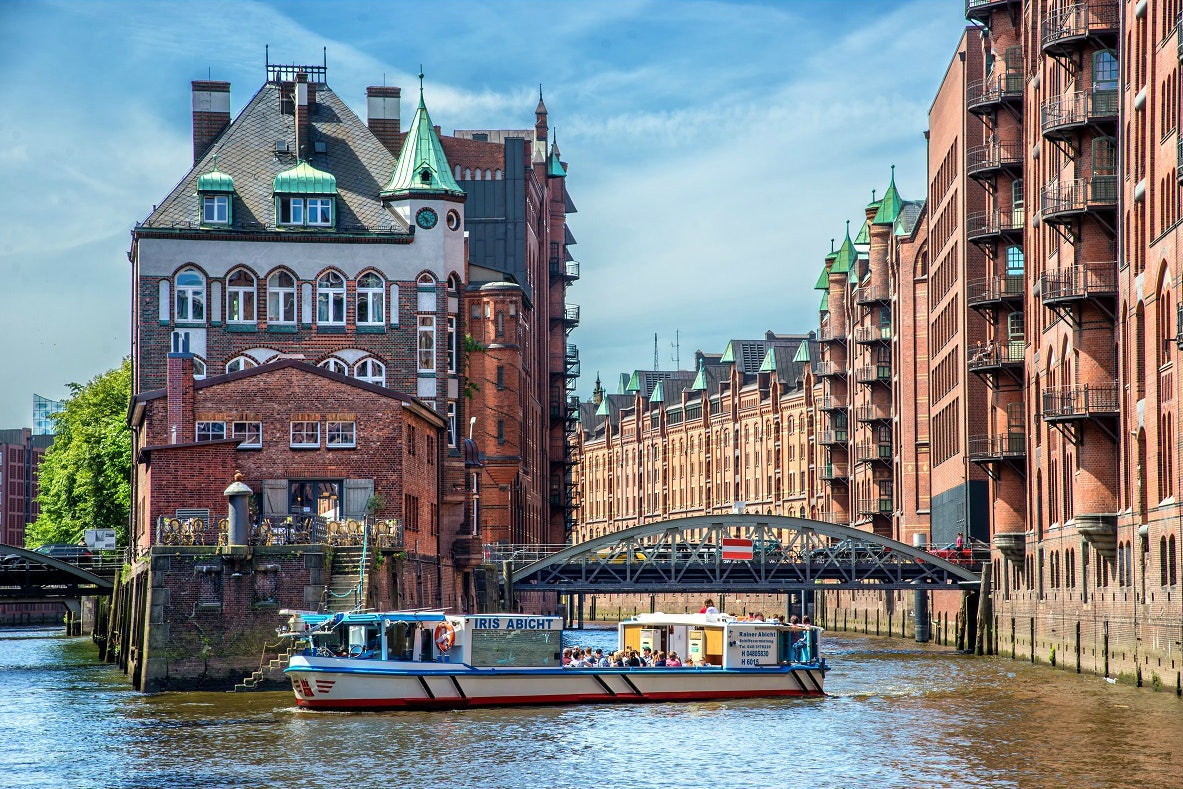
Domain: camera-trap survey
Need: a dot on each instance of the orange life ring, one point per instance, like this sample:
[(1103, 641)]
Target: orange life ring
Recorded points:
[(445, 636)]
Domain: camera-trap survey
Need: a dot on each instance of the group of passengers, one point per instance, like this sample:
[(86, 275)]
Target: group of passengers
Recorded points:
[(585, 657)]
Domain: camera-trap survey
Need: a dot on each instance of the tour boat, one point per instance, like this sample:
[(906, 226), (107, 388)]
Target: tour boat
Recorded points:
[(433, 660)]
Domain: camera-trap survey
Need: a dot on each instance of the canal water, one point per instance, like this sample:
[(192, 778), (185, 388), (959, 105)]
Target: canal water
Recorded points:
[(898, 715)]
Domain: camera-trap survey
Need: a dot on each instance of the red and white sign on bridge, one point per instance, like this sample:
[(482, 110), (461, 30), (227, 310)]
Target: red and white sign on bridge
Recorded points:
[(738, 548)]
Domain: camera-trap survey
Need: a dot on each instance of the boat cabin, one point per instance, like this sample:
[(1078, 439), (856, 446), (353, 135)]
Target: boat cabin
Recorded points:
[(479, 640), (722, 640)]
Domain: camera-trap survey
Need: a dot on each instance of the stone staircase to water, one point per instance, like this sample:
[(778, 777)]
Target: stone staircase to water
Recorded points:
[(270, 671), (344, 575)]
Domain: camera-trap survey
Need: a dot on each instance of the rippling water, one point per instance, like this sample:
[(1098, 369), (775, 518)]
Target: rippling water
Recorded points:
[(898, 715)]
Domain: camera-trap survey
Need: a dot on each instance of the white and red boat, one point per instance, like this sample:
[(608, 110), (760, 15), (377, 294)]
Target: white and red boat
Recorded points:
[(432, 660)]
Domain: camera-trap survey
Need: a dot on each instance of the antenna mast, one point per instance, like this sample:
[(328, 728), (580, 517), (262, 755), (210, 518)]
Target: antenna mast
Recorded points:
[(677, 346), (656, 360)]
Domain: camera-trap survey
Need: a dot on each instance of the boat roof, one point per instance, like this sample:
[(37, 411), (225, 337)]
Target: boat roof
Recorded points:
[(317, 620), (699, 620)]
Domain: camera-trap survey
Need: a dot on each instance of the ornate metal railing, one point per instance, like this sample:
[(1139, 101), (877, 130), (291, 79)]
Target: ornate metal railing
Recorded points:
[(299, 529)]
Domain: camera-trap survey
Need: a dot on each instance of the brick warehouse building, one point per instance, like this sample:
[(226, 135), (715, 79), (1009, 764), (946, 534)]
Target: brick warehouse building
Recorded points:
[(1034, 328), (308, 251), (21, 453)]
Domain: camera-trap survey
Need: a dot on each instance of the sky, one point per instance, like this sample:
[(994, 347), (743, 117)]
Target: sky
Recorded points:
[(714, 149)]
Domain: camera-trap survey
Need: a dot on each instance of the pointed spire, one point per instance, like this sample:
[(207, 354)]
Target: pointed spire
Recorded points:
[(890, 205), (845, 257), (422, 168), (598, 392), (700, 380), (541, 108)]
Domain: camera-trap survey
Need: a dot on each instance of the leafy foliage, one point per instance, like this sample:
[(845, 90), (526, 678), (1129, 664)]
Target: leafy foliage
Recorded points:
[(85, 478)]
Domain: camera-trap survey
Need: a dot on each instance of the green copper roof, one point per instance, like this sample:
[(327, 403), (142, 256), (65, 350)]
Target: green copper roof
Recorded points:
[(554, 167), (864, 235), (802, 353), (825, 305), (846, 255), (769, 363), (603, 409), (215, 181), (728, 354), (823, 280), (700, 380), (889, 206), (304, 179), (422, 167), (658, 395), (634, 383)]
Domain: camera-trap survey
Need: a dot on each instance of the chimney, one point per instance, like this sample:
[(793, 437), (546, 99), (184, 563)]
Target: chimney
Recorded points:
[(211, 114), (181, 427), (382, 109), (301, 110)]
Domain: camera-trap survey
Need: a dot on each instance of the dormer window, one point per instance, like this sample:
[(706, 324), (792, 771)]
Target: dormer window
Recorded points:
[(305, 197), (214, 192), (425, 175)]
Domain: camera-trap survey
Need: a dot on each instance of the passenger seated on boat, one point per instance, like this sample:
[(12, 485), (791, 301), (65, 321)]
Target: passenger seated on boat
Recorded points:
[(600, 660), (646, 657), (633, 660), (567, 656), (673, 661), (659, 661)]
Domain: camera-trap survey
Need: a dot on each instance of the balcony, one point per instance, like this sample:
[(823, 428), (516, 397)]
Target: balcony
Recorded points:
[(1079, 283), (833, 437), (1179, 43), (829, 370), (878, 373), (1064, 201), (1066, 29), (982, 9), (986, 160), (880, 505), (996, 291), (869, 335), (1075, 403), (835, 471), (830, 334), (1179, 174), (571, 316), (995, 225), (1061, 116), (993, 449), (872, 413), (831, 403), (872, 294), (567, 271), (997, 357), (869, 453), (984, 96)]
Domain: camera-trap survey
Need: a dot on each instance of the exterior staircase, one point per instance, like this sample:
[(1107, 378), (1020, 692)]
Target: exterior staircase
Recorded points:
[(270, 671), (344, 575)]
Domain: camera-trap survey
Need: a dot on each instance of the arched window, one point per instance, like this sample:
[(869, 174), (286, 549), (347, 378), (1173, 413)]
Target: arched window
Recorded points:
[(190, 296), (335, 365), (426, 293), (1162, 561), (330, 299), (371, 299), (1105, 73), (281, 298), (240, 297), (371, 371), (240, 363), (453, 284), (198, 367)]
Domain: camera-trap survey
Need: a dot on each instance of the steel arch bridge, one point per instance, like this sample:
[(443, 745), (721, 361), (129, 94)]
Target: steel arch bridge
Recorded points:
[(31, 577), (686, 554)]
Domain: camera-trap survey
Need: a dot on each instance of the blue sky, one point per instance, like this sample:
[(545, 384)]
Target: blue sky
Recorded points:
[(715, 148)]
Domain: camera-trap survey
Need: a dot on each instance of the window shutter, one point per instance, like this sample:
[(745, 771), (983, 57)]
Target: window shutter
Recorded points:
[(275, 497), (357, 494)]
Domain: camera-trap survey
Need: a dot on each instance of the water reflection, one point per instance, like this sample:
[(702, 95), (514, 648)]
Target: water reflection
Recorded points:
[(899, 715)]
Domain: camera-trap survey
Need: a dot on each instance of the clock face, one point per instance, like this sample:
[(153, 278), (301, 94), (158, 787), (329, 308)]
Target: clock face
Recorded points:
[(426, 218)]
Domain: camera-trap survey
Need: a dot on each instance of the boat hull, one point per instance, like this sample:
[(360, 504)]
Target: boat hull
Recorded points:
[(343, 684)]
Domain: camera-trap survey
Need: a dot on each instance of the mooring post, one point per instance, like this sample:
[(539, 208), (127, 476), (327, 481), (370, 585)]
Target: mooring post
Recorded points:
[(985, 639), (920, 599)]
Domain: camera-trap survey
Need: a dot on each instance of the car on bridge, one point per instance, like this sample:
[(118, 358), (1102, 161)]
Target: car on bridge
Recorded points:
[(75, 554), (851, 550)]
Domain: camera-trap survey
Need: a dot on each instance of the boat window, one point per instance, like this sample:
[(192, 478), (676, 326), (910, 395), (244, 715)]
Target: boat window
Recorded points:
[(398, 645), (515, 647)]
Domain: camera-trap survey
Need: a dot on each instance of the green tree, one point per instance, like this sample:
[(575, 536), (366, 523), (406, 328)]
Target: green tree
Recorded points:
[(85, 478)]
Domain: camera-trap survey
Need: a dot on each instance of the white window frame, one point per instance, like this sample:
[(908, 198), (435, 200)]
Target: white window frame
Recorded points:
[(371, 371), (310, 439), (372, 298), (239, 363), (330, 299), (209, 431), (426, 293), (238, 295), (247, 430), (341, 435), (198, 367), (335, 365), (215, 210), (295, 211), (425, 345), (275, 298), (452, 344), (190, 297), (320, 211), (453, 439)]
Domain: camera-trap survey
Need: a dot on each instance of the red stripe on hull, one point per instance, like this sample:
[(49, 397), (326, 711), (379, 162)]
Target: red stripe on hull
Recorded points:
[(522, 701)]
